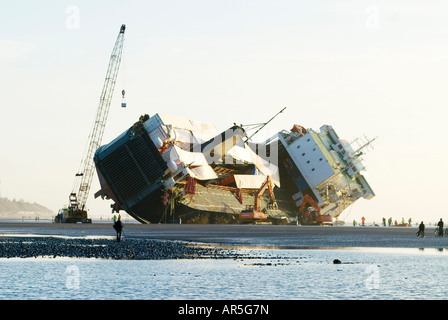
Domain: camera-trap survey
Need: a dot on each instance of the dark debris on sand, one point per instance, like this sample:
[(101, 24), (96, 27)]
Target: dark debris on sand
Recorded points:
[(131, 249)]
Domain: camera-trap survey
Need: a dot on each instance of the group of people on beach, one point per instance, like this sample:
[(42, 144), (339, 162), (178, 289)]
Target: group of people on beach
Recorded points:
[(421, 227), (438, 231), (118, 226), (389, 222), (363, 222), (403, 222)]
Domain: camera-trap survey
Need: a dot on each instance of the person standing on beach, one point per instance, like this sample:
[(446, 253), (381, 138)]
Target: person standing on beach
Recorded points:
[(390, 221), (384, 222), (440, 225), (118, 226), (363, 221), (421, 230)]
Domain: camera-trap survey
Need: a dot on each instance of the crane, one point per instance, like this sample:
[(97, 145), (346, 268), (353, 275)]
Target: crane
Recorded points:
[(256, 213), (314, 217), (76, 211)]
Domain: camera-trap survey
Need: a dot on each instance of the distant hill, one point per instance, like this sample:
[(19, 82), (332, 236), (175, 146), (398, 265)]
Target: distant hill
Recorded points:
[(17, 209)]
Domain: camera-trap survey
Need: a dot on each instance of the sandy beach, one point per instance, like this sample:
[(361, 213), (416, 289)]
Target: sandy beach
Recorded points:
[(287, 236)]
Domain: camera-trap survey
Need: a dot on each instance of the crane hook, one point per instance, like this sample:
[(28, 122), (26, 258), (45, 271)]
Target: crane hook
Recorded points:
[(123, 103)]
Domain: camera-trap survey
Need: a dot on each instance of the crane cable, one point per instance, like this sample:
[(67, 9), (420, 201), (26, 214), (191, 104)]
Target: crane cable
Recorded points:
[(351, 207), (123, 92)]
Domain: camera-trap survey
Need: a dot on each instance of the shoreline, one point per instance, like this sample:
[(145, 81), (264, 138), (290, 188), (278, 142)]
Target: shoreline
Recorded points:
[(55, 247), (165, 241), (235, 234)]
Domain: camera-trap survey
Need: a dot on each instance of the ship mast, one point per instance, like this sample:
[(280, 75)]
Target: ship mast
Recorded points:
[(261, 125)]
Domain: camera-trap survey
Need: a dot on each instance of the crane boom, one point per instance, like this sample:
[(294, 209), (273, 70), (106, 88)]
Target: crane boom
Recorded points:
[(78, 200)]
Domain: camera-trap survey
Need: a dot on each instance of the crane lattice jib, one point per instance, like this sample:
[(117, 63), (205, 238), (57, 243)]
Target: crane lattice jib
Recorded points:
[(78, 201)]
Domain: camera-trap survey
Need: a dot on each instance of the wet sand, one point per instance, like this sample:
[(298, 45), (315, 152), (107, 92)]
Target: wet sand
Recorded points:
[(288, 236)]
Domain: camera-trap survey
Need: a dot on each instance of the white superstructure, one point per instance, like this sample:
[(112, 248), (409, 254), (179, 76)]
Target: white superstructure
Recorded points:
[(328, 168)]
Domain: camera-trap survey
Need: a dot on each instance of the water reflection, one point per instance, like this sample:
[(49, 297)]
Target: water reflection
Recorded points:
[(365, 249), (280, 273)]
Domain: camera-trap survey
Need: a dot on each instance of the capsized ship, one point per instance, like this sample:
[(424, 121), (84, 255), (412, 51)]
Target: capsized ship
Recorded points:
[(167, 169)]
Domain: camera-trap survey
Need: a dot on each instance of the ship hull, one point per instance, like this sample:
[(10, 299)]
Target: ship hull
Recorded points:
[(208, 205)]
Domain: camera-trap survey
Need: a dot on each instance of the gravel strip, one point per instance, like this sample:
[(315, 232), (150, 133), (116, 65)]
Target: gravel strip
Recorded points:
[(129, 249)]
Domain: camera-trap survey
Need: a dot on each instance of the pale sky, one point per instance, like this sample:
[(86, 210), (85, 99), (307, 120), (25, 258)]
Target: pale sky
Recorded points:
[(374, 68)]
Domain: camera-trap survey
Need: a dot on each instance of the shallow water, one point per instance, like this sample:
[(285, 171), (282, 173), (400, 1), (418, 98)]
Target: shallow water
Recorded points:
[(279, 274)]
